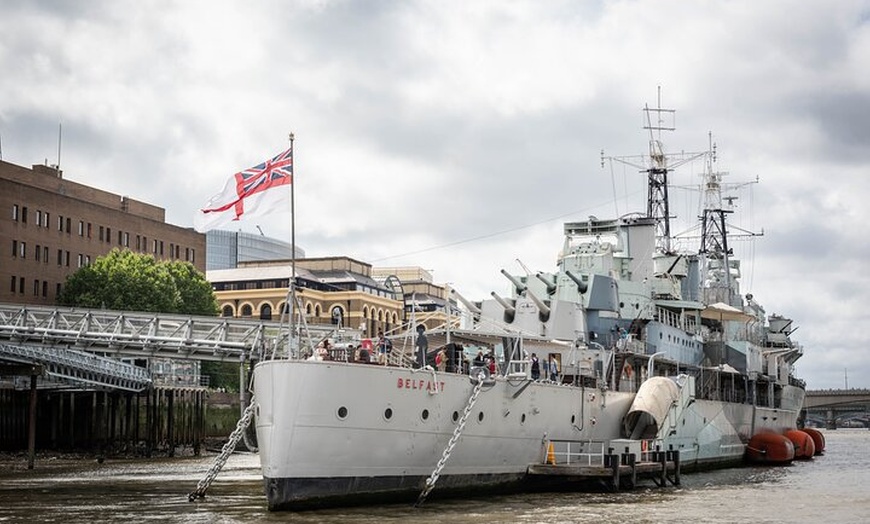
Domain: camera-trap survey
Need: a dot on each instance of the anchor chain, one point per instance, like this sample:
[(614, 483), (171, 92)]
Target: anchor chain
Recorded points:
[(433, 478), (226, 451)]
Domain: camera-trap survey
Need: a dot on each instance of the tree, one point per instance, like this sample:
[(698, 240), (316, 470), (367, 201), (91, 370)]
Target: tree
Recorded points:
[(124, 280), (128, 281)]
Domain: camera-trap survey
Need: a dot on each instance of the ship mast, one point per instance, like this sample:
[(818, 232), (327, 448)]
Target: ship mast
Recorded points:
[(657, 173), (657, 165), (719, 285)]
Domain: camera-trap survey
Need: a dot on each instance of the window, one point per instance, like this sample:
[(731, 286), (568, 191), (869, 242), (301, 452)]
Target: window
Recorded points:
[(171, 250), (38, 217), (126, 239), (15, 216), (246, 310), (68, 225), (108, 234), (66, 258), (60, 222), (161, 248), (81, 259), (38, 252), (81, 228), (22, 249), (187, 254), (21, 285), (226, 312), (120, 238), (24, 214), (89, 229), (138, 243), (192, 256), (36, 288), (44, 289), (60, 257), (14, 248), (102, 231), (57, 290), (12, 289), (45, 220), (265, 312), (154, 246), (87, 260), (45, 255)]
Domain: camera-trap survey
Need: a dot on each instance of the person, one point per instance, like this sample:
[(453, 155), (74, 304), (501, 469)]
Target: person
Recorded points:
[(536, 367), (441, 360), (422, 345), (382, 342), (491, 364), (553, 368), (478, 360)]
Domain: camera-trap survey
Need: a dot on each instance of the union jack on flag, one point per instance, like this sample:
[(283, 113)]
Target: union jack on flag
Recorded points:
[(255, 191)]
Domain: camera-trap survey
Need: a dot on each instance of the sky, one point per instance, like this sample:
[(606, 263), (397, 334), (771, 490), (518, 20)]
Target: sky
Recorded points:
[(459, 136)]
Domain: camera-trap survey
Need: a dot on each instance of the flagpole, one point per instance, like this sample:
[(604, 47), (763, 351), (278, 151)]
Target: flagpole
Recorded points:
[(292, 322)]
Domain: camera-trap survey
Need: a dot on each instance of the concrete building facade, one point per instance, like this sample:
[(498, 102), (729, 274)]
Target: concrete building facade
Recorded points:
[(50, 227)]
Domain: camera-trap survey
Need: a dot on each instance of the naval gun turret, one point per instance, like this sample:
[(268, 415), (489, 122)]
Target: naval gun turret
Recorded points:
[(522, 289)]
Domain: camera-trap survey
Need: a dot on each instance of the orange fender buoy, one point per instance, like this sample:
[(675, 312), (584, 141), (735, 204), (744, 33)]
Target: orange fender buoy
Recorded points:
[(768, 447), (818, 439), (551, 455), (804, 448)]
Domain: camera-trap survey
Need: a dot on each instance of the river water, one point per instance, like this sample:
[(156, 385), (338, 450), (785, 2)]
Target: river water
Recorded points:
[(834, 488)]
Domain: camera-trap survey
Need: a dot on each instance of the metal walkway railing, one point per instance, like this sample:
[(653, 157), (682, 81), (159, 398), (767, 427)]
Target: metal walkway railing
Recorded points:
[(79, 367), (136, 334)]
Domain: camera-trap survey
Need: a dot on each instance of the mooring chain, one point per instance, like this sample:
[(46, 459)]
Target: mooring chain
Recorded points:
[(433, 478), (226, 451)]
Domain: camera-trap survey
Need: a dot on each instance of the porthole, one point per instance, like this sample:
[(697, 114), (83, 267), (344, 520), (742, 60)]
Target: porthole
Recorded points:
[(523, 418), (480, 417), (388, 413), (573, 418), (425, 414), (342, 412), (455, 416)]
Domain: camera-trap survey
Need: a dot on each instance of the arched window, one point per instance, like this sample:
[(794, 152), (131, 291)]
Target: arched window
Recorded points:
[(265, 312), (308, 309), (337, 315), (247, 310), (317, 312), (227, 311)]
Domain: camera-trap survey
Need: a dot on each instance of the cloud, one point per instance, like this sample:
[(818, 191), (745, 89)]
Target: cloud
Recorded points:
[(459, 136)]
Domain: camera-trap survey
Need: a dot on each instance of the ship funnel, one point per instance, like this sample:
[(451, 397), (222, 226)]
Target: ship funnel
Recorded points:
[(581, 286), (471, 307), (551, 287), (517, 284)]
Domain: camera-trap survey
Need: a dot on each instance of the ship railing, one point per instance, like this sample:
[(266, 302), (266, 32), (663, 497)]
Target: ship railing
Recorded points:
[(574, 452), (519, 369)]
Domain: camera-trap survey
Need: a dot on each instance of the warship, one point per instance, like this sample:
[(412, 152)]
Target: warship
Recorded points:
[(641, 347)]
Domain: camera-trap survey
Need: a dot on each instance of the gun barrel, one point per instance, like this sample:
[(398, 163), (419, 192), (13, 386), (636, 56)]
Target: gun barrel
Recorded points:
[(581, 286), (471, 307), (504, 303), (517, 284), (545, 311), (551, 287)]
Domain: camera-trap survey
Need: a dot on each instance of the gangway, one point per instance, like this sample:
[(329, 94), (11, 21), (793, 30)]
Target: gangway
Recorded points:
[(79, 367), (142, 334)]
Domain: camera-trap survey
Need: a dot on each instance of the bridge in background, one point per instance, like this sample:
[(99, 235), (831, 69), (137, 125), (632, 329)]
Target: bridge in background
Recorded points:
[(834, 408)]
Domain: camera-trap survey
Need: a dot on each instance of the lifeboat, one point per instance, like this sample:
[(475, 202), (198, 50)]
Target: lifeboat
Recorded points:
[(770, 448), (804, 448), (818, 439)]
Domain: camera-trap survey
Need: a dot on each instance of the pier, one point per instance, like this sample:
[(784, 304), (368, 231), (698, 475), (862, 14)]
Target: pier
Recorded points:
[(86, 380), (618, 463)]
